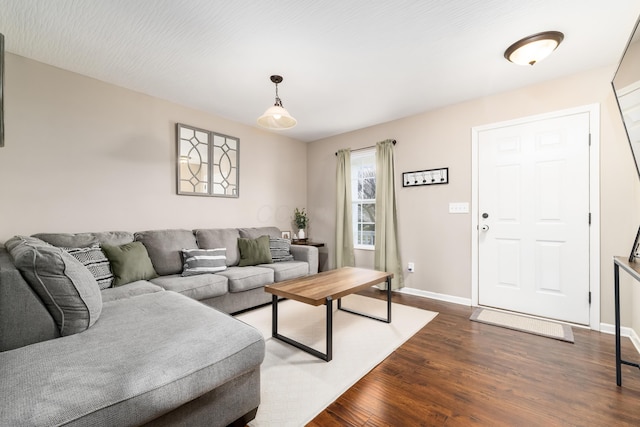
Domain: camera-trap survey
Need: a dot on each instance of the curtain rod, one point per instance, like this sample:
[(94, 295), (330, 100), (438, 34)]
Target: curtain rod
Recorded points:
[(366, 148)]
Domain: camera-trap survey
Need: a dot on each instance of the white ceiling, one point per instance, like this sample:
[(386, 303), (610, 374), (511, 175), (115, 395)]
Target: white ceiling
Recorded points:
[(347, 64)]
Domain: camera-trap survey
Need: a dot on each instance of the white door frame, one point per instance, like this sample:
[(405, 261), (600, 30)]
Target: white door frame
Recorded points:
[(594, 201)]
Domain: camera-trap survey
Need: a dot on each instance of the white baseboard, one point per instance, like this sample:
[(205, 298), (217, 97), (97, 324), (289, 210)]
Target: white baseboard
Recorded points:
[(624, 332), (436, 296)]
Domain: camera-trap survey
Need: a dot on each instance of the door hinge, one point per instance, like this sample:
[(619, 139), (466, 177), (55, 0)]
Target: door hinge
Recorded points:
[(589, 297), (589, 140), (589, 218)]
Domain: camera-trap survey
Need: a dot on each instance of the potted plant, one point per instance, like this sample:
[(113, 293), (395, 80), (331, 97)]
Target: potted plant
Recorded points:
[(301, 219)]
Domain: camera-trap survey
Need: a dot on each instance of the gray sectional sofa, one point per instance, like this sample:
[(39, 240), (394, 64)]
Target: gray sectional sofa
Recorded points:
[(162, 350)]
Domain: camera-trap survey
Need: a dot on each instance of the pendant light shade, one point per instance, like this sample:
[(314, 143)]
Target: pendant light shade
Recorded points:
[(534, 48), (276, 117)]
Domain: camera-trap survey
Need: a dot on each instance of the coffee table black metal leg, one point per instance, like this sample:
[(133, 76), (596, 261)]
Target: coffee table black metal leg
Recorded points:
[(274, 315), (329, 354), (329, 333), (359, 313)]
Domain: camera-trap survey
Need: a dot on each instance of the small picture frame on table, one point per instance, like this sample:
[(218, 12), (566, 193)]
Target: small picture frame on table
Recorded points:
[(634, 248), (286, 235)]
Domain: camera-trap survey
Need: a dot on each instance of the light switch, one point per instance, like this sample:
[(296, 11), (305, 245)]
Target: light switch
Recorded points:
[(459, 207)]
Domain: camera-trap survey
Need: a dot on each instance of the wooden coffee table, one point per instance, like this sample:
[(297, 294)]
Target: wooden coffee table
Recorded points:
[(324, 288)]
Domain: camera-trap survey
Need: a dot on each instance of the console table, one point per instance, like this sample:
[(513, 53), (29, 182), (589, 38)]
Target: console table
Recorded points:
[(633, 269)]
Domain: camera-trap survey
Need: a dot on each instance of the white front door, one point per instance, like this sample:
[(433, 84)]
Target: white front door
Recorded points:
[(533, 224)]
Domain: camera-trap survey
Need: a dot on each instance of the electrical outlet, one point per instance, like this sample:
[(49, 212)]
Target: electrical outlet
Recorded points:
[(411, 267)]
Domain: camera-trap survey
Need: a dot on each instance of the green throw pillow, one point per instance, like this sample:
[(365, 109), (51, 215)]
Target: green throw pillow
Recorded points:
[(254, 251), (129, 262)]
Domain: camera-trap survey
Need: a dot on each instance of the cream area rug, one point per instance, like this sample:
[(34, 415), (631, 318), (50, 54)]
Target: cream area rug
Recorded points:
[(296, 386), (530, 325)]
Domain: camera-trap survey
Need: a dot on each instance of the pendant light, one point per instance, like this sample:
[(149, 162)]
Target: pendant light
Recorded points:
[(276, 117), (534, 48)]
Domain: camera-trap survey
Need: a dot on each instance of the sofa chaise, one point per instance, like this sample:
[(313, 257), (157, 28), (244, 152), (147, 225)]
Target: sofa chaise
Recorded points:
[(160, 348)]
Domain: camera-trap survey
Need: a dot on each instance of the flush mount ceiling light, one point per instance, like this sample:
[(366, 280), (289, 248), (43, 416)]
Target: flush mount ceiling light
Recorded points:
[(276, 117), (534, 48)]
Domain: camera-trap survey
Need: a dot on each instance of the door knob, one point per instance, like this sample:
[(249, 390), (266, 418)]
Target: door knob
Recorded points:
[(484, 227), (485, 215)]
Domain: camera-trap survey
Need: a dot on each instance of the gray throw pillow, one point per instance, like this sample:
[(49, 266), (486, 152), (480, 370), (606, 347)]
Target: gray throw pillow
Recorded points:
[(254, 251), (280, 249), (129, 262), (201, 261), (68, 290), (96, 262)]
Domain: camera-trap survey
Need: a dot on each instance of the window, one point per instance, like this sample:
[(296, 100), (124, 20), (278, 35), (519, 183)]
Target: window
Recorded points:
[(363, 194)]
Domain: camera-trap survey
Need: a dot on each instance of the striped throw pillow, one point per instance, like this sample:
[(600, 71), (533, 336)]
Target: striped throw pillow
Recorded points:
[(96, 262), (280, 249), (201, 261)]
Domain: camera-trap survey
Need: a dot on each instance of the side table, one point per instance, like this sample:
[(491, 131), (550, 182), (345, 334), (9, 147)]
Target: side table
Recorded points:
[(307, 242)]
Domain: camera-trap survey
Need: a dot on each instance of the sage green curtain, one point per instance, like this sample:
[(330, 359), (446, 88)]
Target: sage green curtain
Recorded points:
[(344, 227), (387, 254)]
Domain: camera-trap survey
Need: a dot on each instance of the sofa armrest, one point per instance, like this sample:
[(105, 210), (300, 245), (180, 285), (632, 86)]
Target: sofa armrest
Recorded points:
[(24, 319), (308, 254)]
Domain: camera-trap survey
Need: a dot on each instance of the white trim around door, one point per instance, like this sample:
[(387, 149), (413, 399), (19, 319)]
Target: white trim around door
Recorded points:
[(594, 201)]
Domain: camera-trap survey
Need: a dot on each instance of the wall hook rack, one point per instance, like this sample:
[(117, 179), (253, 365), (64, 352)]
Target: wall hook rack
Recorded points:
[(425, 177)]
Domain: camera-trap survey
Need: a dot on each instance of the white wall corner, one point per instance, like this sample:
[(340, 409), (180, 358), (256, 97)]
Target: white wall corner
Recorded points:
[(608, 328), (635, 339)]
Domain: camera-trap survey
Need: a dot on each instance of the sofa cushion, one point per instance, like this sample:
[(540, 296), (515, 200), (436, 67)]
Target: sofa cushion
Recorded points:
[(254, 251), (24, 319), (82, 240), (288, 270), (245, 278), (198, 287), (147, 356), (129, 290), (96, 262), (68, 290), (129, 262), (255, 232), (201, 261), (280, 249), (164, 248), (212, 238)]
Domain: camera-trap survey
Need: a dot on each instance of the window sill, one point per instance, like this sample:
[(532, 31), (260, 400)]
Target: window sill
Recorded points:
[(364, 248)]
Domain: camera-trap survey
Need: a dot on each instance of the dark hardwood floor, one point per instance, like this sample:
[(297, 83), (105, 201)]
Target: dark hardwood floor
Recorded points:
[(455, 372)]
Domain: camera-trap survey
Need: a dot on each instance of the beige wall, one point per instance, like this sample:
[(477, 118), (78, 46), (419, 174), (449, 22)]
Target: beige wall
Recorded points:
[(440, 243), (83, 155)]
